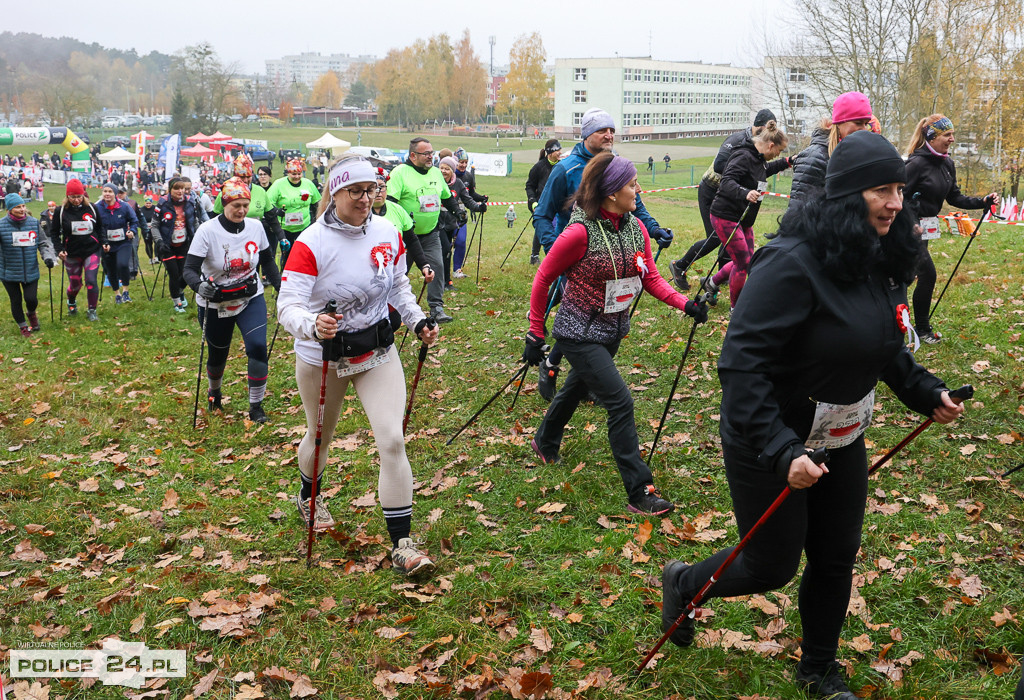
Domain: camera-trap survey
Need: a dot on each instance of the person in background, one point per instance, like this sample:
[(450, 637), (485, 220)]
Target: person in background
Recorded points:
[(296, 198), (79, 239), (21, 242), (535, 181), (467, 173), (46, 218), (121, 227), (143, 233), (175, 220), (147, 214), (510, 215), (454, 227)]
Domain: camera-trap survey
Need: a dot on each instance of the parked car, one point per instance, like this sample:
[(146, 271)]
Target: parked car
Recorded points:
[(260, 153), (235, 117), (379, 153), (286, 154), (115, 141), (111, 122), (253, 118)]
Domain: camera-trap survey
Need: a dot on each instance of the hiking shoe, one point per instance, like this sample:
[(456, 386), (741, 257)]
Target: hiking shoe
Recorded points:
[(25, 332), (459, 274), (679, 274), (33, 323), (673, 604), (323, 516), (118, 299), (547, 380), (127, 299), (535, 260), (184, 302), (213, 397), (929, 336), (650, 501), (544, 458), (409, 560), (179, 307), (72, 307), (824, 683), (441, 317), (153, 261), (92, 315), (256, 412), (711, 289)]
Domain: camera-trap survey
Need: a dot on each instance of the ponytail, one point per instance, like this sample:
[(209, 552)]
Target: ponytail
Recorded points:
[(917, 139), (772, 134)]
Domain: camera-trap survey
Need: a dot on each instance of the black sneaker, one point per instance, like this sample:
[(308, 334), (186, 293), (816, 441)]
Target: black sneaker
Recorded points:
[(441, 317), (543, 457), (72, 308), (213, 397), (650, 501), (824, 683), (673, 604), (256, 412), (679, 274), (547, 380)]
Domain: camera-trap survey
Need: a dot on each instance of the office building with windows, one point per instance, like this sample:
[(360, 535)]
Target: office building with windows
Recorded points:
[(305, 68), (786, 86), (651, 99)]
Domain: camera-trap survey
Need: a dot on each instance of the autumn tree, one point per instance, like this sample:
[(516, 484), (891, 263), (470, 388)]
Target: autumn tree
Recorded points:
[(524, 96), (395, 78), (206, 82), (286, 112), (63, 100), (327, 91), (468, 86)]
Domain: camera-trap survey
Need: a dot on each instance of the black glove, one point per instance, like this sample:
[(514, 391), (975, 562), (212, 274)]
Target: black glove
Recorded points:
[(424, 323), (791, 162), (49, 263), (160, 247), (483, 198), (534, 352), (663, 237), (990, 200), (206, 290), (699, 312)]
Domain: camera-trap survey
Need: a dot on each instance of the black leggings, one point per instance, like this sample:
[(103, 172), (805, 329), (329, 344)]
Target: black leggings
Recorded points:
[(175, 267), (252, 324), (17, 290), (923, 290), (117, 264), (824, 521), (705, 196)]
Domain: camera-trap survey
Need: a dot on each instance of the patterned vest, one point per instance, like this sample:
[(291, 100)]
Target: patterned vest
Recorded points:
[(611, 255)]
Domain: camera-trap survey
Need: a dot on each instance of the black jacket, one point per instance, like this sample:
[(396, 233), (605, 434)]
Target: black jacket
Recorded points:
[(935, 178), (463, 200), (536, 180), (745, 169), (809, 170), (798, 336), (77, 245)]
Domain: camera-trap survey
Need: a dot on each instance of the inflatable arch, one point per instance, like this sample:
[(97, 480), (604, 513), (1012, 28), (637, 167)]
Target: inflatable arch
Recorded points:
[(38, 136)]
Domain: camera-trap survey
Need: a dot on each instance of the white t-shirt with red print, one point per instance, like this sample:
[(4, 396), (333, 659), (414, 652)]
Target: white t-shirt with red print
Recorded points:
[(229, 257)]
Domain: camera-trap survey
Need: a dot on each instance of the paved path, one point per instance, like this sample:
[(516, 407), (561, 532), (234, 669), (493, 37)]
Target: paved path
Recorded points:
[(637, 152)]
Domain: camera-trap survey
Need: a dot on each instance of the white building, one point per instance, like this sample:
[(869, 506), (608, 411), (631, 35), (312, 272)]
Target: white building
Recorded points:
[(305, 68), (786, 86), (651, 99)]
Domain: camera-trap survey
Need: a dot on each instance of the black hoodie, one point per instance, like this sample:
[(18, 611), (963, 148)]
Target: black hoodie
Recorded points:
[(935, 178), (746, 168)]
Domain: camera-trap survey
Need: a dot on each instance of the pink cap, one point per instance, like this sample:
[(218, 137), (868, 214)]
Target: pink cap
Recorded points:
[(851, 106)]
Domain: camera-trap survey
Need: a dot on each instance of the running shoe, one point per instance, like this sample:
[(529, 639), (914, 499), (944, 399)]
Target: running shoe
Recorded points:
[(256, 412), (323, 516), (673, 604), (459, 274), (544, 458), (824, 683), (535, 260), (712, 292), (72, 307), (213, 400), (679, 274), (410, 560), (92, 315), (650, 501), (118, 299), (127, 299)]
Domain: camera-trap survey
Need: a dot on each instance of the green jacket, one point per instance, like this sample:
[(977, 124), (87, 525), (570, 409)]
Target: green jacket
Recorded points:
[(419, 194), (284, 195), (258, 205)]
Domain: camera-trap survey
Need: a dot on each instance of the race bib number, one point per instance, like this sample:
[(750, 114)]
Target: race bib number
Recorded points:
[(23, 239), (762, 187), (81, 228), (930, 228), (838, 425), (178, 236), (347, 366), (430, 203), (227, 309), (619, 294), (115, 235), (293, 218)]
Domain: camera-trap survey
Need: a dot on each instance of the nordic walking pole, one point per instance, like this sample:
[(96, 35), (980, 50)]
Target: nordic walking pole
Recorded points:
[(327, 355), (472, 237), (819, 456), (1011, 471), (675, 383), (199, 374), (521, 372), (138, 267), (502, 266), (61, 303), (401, 346), (49, 282), (480, 245), (970, 240), (416, 380), (636, 302)]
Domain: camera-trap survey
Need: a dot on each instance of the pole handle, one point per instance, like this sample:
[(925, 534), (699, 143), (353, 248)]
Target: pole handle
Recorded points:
[(328, 344), (820, 456), (962, 394)]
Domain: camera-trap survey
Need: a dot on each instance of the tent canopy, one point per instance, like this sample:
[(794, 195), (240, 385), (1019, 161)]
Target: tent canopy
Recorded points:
[(329, 140), (198, 137), (199, 151), (218, 136), (117, 154)]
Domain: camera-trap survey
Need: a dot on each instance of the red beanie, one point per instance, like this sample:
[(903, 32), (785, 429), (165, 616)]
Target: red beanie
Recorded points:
[(74, 187)]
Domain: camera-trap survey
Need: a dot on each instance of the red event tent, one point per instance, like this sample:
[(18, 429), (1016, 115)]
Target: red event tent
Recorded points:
[(198, 137)]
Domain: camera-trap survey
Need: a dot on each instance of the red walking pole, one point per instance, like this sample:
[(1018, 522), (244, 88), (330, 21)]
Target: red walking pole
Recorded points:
[(416, 379), (328, 347)]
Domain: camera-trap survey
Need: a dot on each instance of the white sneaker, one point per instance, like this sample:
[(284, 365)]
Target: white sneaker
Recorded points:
[(323, 516), (458, 274), (409, 560)]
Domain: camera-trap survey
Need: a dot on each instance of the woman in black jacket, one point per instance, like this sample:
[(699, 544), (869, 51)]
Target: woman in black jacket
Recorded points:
[(79, 239), (535, 181), (735, 208), (931, 178), (822, 321), (455, 228)]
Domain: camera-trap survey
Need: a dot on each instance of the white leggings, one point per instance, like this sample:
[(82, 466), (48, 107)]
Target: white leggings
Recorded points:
[(381, 390)]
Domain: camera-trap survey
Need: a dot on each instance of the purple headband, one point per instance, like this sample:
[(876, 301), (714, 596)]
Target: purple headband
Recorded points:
[(619, 173)]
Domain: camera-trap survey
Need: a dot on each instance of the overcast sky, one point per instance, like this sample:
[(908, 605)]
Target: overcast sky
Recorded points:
[(715, 31)]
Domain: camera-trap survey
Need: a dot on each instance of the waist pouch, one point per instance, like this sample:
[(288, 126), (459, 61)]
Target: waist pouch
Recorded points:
[(379, 335), (238, 290)]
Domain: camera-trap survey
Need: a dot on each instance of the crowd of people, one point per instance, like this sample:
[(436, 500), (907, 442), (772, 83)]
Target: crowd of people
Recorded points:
[(843, 257)]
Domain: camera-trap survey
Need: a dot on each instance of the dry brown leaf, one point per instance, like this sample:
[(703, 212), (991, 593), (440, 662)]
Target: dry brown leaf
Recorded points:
[(551, 508), (302, 688), (968, 450), (540, 639), (205, 683), (367, 500), (24, 551), (1001, 618), (138, 623), (89, 485), (643, 533), (535, 684), (862, 643), (249, 692), (170, 500)]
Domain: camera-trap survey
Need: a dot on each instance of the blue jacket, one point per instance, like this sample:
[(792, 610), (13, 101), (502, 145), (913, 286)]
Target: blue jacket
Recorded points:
[(19, 263), (123, 218), (163, 220), (551, 215)]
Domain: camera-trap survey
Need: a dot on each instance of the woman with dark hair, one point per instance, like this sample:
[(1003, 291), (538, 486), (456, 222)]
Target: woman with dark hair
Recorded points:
[(931, 178), (605, 254), (822, 321), (455, 227), (535, 181), (79, 238), (175, 223), (122, 226)]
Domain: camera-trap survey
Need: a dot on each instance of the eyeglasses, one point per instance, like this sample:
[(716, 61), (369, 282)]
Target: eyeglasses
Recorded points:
[(429, 154), (356, 195)]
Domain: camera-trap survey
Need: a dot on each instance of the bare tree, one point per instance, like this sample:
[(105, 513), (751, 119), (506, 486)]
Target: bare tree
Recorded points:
[(206, 83)]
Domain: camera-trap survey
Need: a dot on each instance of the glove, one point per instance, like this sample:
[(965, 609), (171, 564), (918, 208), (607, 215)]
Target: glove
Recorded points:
[(990, 200), (206, 290), (484, 198), (534, 352), (699, 312), (663, 236), (791, 162), (286, 245), (424, 323), (532, 206), (49, 263)]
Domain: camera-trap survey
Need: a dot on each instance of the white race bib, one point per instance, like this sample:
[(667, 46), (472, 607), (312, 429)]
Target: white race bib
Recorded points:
[(23, 239), (430, 203), (178, 236), (115, 235), (81, 228), (293, 218), (227, 309), (348, 366), (838, 425), (619, 294), (930, 228), (762, 187)]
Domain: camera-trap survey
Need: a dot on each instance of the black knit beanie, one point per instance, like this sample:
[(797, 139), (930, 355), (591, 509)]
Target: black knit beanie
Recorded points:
[(763, 117), (861, 161)]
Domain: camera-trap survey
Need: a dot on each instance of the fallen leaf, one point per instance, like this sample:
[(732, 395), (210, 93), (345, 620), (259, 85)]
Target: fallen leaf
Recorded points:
[(24, 551), (138, 623), (205, 683), (89, 485), (249, 692), (541, 639), (302, 688), (550, 508), (968, 450)]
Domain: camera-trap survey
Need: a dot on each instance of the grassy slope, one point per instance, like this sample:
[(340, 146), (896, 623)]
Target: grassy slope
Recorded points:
[(112, 401)]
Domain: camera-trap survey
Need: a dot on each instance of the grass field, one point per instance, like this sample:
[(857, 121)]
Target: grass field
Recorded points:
[(118, 520)]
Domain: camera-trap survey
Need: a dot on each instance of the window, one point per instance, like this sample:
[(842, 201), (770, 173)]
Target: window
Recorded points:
[(627, 74), (580, 74), (647, 75), (647, 119), (795, 100), (796, 75), (577, 118), (795, 126), (579, 96)]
